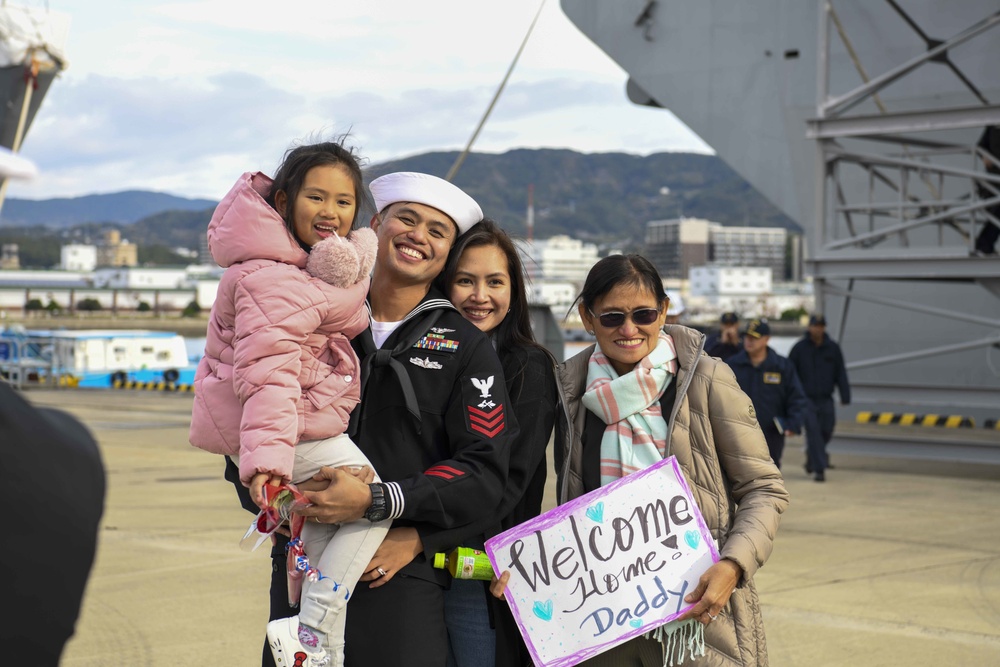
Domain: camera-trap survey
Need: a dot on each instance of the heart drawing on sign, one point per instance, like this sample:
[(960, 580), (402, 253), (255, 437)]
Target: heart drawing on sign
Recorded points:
[(636, 622), (543, 610), (596, 512), (693, 538)]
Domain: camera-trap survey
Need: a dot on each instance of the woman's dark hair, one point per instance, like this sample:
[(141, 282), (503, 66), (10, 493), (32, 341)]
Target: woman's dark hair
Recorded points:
[(297, 162), (515, 329), (610, 272)]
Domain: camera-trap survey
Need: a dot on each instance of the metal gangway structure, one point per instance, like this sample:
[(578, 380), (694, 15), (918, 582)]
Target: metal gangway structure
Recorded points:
[(902, 194)]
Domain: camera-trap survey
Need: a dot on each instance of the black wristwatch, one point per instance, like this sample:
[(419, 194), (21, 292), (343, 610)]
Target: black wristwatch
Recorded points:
[(378, 511)]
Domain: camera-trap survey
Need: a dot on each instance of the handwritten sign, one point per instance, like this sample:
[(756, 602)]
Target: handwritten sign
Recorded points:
[(608, 566)]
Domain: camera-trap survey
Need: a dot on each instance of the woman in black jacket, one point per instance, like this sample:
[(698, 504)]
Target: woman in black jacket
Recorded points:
[(485, 280)]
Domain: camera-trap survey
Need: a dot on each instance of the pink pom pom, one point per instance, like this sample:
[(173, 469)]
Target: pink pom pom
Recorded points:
[(366, 244), (335, 261)]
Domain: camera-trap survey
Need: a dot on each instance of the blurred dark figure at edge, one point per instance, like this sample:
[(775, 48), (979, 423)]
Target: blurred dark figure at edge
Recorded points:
[(53, 489), (986, 242), (820, 364), (727, 342)]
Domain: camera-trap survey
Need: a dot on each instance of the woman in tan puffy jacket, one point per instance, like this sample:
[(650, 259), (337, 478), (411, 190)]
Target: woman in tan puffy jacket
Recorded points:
[(693, 409)]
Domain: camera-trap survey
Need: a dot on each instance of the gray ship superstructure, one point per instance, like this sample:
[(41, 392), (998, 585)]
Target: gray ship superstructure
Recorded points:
[(859, 119)]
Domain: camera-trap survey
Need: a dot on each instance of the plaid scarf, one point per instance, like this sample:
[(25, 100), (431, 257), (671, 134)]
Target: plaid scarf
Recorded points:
[(636, 436)]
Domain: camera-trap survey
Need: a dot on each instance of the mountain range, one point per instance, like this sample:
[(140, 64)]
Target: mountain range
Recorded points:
[(606, 198), (119, 207)]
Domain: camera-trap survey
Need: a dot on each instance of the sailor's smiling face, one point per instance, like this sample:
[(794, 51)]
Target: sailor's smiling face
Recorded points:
[(413, 241)]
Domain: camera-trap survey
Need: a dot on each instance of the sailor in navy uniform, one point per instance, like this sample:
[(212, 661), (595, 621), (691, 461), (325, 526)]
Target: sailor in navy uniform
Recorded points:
[(437, 385), (433, 420), (770, 381)]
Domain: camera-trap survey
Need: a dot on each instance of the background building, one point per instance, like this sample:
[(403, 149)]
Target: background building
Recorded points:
[(78, 257), (558, 258), (674, 246), (748, 290), (714, 280), (143, 278), (552, 293), (115, 251), (750, 246), (10, 259)]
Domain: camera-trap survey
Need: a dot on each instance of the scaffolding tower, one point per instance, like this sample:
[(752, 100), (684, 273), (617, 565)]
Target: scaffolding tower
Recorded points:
[(902, 194)]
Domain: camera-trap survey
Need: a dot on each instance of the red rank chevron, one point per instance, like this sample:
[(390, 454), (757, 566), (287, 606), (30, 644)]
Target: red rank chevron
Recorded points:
[(444, 472), (489, 423)]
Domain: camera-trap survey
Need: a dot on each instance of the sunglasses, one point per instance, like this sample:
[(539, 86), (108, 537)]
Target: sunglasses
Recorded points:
[(641, 317)]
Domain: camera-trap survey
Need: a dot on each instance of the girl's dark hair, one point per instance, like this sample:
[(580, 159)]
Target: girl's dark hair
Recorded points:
[(297, 162), (515, 329), (610, 272)]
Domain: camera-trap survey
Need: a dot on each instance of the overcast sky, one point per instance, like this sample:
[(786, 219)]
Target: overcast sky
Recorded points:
[(182, 97)]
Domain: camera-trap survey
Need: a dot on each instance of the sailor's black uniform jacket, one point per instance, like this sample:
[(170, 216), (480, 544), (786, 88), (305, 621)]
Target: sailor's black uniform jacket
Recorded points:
[(434, 421)]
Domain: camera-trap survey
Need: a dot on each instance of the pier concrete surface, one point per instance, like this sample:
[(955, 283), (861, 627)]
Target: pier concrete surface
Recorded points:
[(887, 563)]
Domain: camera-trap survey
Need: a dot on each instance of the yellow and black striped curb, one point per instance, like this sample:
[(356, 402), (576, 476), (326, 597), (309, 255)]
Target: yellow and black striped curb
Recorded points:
[(910, 419), (152, 386), (60, 380), (993, 424)]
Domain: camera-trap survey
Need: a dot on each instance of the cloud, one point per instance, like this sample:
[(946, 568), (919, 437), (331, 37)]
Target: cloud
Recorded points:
[(305, 19), (107, 118), (149, 127), (416, 120), (183, 97), (193, 137), (110, 134)]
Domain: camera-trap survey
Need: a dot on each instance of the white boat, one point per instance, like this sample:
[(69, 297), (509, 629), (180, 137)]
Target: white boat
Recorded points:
[(95, 358)]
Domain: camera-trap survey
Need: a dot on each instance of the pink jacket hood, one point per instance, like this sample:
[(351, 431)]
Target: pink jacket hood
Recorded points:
[(244, 226)]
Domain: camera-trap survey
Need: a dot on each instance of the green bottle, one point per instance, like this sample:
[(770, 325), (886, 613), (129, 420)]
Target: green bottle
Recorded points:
[(465, 563)]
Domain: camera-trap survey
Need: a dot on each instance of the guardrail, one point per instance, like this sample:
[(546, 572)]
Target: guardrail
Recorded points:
[(911, 419), (152, 386)]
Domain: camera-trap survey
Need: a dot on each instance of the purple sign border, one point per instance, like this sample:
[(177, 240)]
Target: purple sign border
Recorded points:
[(559, 514)]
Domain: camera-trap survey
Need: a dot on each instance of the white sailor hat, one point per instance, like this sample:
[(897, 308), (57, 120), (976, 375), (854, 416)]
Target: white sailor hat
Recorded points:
[(428, 190)]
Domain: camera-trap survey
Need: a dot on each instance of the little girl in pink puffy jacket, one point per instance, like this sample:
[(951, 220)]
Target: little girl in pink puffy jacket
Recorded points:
[(279, 379)]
